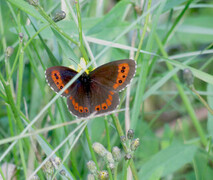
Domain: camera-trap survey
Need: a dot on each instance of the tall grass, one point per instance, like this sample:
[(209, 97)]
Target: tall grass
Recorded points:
[(168, 107)]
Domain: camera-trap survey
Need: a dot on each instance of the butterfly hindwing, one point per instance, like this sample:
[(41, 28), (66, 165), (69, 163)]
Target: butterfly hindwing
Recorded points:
[(85, 101), (102, 100), (58, 76), (115, 75), (78, 103)]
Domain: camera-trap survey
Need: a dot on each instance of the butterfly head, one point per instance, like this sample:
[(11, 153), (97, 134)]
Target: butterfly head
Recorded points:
[(81, 66)]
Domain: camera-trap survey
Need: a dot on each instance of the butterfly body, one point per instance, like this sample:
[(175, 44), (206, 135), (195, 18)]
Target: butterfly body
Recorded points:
[(96, 91)]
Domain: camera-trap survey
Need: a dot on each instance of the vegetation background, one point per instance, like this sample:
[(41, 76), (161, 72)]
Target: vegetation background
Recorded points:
[(169, 112)]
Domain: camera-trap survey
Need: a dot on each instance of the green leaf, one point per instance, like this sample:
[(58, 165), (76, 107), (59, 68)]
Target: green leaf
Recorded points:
[(210, 116), (170, 159), (201, 168), (172, 4), (157, 174), (111, 19), (197, 73), (67, 50), (27, 8)]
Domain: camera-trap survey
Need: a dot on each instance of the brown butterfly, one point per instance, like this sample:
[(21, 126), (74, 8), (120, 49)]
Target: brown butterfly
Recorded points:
[(96, 91)]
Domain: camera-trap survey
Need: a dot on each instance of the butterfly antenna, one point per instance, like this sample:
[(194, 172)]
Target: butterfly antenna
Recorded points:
[(73, 61)]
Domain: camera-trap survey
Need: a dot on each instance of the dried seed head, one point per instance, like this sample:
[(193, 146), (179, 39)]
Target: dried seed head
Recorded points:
[(135, 143), (188, 77), (90, 177), (130, 134), (56, 161), (9, 51), (48, 167), (138, 10), (59, 16), (33, 2), (99, 149), (63, 173), (92, 167), (21, 35), (110, 160), (116, 153), (128, 156), (35, 177), (123, 139), (109, 157)]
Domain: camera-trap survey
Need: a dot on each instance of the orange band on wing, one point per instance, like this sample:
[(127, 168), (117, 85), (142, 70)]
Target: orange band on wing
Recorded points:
[(123, 71), (56, 77), (77, 107)]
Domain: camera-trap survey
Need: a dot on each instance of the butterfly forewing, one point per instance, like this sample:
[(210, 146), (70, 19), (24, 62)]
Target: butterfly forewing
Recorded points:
[(58, 76), (115, 75)]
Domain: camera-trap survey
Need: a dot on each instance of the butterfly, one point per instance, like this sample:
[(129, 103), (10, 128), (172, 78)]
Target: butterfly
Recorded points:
[(96, 91)]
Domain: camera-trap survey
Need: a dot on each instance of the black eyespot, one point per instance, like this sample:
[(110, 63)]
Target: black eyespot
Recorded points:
[(57, 82), (122, 71), (97, 109), (56, 77), (104, 107), (123, 76), (120, 81), (123, 67), (86, 110), (80, 110), (61, 87), (55, 74)]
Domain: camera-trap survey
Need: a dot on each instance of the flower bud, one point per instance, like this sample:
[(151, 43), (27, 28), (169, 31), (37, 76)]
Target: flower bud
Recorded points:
[(56, 161), (63, 173), (33, 2), (116, 153), (90, 177), (109, 157), (130, 134), (92, 167), (138, 10), (123, 139), (110, 160), (134, 145), (35, 177), (48, 167), (59, 16), (128, 157), (103, 175), (188, 77), (21, 35), (9, 51), (99, 149)]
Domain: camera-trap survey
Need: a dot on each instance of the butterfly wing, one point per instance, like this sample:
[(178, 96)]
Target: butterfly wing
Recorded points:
[(58, 76), (78, 103), (115, 75), (101, 99), (95, 98)]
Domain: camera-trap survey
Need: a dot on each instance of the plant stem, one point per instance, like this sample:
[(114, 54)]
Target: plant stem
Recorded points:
[(45, 15), (83, 51), (90, 147), (107, 135), (202, 100), (29, 41), (121, 133), (110, 173), (144, 31), (184, 97)]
